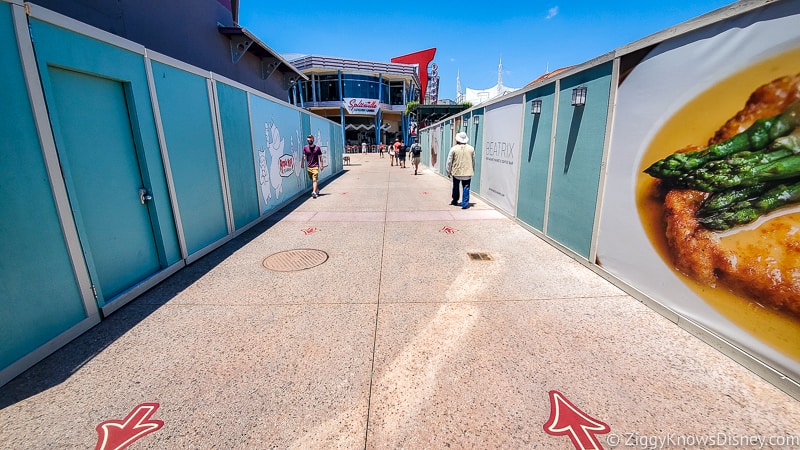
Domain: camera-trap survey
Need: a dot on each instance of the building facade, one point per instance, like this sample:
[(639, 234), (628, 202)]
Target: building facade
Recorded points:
[(368, 98), (203, 33)]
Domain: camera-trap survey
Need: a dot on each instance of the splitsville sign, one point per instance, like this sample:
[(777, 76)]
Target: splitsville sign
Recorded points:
[(361, 106)]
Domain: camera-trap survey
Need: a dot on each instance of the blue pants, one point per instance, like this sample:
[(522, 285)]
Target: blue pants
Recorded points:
[(464, 187)]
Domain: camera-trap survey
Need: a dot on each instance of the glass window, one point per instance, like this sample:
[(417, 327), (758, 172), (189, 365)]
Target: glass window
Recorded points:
[(328, 88), (385, 91), (305, 87), (396, 93), (360, 86)]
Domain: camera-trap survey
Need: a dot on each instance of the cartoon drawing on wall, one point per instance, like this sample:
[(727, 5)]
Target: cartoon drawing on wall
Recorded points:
[(297, 149), (325, 147), (275, 145), (263, 175)]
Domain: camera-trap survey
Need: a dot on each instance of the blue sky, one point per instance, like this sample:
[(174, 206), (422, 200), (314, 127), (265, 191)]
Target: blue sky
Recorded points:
[(531, 36)]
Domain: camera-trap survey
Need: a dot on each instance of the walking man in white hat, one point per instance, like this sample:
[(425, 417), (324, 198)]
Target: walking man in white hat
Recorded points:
[(461, 167)]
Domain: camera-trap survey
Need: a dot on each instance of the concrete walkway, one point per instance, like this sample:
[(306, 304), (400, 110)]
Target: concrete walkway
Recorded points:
[(398, 340)]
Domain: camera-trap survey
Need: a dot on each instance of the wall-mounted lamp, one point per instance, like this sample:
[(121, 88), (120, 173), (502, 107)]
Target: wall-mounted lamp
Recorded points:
[(536, 106), (475, 119), (579, 96)]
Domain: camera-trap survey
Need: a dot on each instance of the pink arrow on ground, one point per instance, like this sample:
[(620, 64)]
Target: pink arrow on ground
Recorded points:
[(567, 419), (118, 434)]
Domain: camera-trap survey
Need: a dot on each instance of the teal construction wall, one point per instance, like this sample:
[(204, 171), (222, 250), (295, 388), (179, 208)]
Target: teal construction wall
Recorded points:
[(41, 298), (187, 142)]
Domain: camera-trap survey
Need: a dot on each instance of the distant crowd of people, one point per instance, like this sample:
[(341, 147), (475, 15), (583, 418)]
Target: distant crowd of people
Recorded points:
[(460, 163), (399, 153)]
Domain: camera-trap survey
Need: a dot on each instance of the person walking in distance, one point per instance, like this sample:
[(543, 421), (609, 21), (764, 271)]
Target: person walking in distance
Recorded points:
[(396, 147), (401, 155), (312, 160), (416, 153), (461, 167)]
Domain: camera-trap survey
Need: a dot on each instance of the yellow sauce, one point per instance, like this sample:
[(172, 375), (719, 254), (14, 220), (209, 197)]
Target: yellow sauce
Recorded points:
[(694, 124)]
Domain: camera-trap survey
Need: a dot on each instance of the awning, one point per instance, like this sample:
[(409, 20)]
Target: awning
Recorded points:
[(242, 41), (435, 113)]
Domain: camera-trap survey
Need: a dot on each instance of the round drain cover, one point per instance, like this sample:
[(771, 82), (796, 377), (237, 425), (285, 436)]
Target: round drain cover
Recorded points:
[(291, 260)]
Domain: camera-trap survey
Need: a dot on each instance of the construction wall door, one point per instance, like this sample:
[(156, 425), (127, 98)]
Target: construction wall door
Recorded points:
[(101, 166)]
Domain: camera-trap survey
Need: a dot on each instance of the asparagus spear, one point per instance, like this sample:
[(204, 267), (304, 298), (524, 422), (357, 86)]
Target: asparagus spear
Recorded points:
[(782, 169), (750, 210), (725, 199), (789, 142), (746, 168), (757, 137), (779, 148)]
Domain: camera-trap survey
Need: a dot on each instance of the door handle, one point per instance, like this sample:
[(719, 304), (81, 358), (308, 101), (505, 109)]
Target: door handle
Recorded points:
[(144, 196)]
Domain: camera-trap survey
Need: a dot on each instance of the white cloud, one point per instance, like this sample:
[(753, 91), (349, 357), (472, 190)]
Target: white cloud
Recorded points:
[(452, 60), (552, 12)]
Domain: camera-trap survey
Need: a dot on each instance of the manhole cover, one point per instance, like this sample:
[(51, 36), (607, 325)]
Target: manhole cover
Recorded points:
[(291, 260), (480, 256)]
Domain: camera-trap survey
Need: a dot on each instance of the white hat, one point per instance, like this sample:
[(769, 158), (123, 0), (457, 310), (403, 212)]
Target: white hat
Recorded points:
[(462, 138)]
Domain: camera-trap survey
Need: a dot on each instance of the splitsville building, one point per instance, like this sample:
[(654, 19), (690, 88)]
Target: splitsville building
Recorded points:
[(368, 98)]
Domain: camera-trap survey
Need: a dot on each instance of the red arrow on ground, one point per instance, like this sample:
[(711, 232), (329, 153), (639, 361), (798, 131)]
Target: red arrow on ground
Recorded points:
[(567, 419), (118, 434)]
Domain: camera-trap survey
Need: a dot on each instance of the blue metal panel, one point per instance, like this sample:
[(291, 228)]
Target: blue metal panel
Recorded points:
[(278, 139), (535, 161), (321, 130), (58, 47), (40, 297), (189, 135), (101, 167), (425, 142), (306, 126), (338, 146), (447, 142), (235, 120), (477, 143), (580, 133)]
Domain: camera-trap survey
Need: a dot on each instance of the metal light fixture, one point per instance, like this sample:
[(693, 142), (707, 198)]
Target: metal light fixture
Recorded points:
[(475, 119), (536, 106), (579, 96)]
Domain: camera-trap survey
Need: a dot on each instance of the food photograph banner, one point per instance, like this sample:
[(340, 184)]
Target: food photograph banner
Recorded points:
[(702, 195), (501, 153), (435, 136)]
